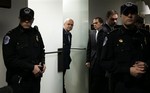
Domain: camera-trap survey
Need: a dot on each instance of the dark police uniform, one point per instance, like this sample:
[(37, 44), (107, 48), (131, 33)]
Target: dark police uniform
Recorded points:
[(22, 49), (120, 52), (99, 81)]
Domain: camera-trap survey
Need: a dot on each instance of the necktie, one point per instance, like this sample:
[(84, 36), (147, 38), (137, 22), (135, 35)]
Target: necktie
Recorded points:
[(96, 35)]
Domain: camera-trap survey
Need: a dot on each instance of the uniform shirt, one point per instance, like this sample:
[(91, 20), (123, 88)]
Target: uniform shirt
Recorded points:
[(22, 49)]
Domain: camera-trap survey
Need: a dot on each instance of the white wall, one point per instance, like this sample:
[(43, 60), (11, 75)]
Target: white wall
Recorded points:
[(8, 20), (77, 76), (49, 19)]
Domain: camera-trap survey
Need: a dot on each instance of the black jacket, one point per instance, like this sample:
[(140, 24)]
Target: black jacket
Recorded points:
[(91, 48), (66, 49), (21, 51), (122, 49)]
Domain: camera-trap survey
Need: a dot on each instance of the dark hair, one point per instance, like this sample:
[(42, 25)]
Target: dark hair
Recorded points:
[(110, 13), (99, 19)]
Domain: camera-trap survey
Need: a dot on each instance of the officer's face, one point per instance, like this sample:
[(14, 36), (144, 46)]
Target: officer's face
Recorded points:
[(112, 20), (26, 24), (97, 25), (128, 19), (68, 25)]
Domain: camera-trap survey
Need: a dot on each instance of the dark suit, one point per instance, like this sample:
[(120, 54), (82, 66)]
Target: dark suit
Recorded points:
[(91, 55), (66, 53), (97, 75), (91, 48), (66, 49)]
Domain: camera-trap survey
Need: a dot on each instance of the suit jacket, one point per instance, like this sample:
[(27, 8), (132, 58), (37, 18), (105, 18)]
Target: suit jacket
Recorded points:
[(106, 28), (91, 48), (100, 39), (66, 49)]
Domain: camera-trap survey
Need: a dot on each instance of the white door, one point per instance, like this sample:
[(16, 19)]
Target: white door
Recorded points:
[(49, 19)]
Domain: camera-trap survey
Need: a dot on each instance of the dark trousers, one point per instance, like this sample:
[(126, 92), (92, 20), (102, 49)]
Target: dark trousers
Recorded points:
[(122, 87), (28, 85), (98, 82), (64, 89), (6, 89), (90, 81), (99, 85)]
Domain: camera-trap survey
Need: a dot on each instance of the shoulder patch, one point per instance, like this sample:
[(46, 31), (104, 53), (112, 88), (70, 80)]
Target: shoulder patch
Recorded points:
[(6, 39)]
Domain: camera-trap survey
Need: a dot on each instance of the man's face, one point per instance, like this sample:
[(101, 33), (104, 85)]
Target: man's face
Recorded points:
[(97, 25), (68, 25), (112, 20), (26, 24), (128, 19)]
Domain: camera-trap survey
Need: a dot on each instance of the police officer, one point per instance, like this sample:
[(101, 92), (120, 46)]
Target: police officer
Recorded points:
[(24, 57), (109, 25), (126, 55)]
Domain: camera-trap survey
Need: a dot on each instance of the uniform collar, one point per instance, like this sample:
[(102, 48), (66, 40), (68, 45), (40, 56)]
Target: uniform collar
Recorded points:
[(130, 31), (24, 30)]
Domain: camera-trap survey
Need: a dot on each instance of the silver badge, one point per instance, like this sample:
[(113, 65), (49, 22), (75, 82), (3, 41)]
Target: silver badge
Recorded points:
[(27, 10), (105, 40), (6, 40), (37, 38)]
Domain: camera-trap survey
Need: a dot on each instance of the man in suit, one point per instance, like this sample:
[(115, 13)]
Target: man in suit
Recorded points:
[(96, 75), (67, 36), (111, 21)]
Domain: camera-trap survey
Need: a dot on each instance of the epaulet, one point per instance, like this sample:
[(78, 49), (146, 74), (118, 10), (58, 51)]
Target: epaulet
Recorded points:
[(36, 28)]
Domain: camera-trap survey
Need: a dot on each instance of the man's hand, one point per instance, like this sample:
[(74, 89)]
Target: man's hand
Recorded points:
[(135, 71), (138, 69), (141, 65), (36, 69)]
